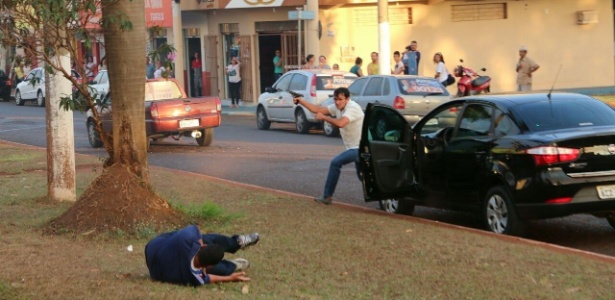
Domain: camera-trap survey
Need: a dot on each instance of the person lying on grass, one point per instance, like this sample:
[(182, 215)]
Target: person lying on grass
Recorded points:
[(186, 257)]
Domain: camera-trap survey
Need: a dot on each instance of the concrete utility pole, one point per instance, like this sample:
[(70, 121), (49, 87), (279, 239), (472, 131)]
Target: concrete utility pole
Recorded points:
[(178, 43), (312, 44), (384, 38), (60, 135), (300, 33)]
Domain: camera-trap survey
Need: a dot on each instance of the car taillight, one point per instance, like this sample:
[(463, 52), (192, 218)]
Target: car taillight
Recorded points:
[(399, 103), (154, 110), (550, 155), (218, 105), (313, 87), (559, 200)]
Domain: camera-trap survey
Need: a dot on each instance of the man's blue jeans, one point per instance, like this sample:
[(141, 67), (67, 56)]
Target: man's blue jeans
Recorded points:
[(230, 245), (335, 169)]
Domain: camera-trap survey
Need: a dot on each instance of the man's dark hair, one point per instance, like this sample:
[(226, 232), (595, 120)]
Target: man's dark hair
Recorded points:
[(358, 61), (210, 255), (396, 53), (341, 90), (307, 58)]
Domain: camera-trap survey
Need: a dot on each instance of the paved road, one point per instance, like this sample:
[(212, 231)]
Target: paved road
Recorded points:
[(281, 159)]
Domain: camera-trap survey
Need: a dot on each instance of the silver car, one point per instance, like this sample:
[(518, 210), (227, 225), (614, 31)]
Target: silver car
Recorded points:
[(276, 103), (413, 96)]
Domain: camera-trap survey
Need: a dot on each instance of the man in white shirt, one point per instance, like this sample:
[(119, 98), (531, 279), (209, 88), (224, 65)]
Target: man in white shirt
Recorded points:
[(348, 116)]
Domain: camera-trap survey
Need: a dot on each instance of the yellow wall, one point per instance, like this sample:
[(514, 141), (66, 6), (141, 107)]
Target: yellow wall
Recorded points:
[(547, 27)]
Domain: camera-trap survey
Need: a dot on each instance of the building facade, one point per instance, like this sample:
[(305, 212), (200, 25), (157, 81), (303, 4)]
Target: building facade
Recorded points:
[(575, 36)]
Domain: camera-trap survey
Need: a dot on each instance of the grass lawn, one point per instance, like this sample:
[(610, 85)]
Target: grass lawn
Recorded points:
[(307, 251)]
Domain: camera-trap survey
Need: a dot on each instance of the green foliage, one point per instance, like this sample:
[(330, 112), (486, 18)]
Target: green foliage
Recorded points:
[(205, 211)]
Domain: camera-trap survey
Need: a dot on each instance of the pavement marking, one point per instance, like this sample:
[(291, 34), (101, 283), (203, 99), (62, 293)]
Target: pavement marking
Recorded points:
[(26, 128)]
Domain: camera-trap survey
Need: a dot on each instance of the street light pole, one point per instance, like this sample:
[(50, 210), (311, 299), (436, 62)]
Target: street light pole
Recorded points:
[(299, 10), (384, 39), (178, 42)]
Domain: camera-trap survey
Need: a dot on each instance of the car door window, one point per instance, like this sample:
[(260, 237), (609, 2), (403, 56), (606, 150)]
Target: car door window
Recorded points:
[(374, 87), (386, 89), (504, 125), (30, 76), (298, 83), (386, 124), (357, 86), (283, 83), (475, 121), (444, 118)]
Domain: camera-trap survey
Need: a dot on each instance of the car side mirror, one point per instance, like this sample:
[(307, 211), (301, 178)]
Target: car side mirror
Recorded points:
[(269, 89)]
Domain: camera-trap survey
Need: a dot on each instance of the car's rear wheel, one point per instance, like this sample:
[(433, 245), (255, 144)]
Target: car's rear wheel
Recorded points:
[(40, 99), (93, 136), (611, 219), (397, 206), (18, 100), (207, 135), (330, 130), (499, 213), (301, 122), (262, 121)]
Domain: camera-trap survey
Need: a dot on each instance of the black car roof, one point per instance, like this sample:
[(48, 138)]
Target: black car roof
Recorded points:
[(510, 100)]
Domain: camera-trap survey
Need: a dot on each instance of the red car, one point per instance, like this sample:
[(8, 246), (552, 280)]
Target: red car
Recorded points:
[(168, 113)]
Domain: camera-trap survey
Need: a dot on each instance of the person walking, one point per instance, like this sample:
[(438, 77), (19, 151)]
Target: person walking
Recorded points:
[(187, 257), (322, 63), (197, 75), (234, 81), (372, 68), (310, 62), (347, 115), (399, 65), (356, 69), (441, 72), (525, 68), (278, 65), (411, 58)]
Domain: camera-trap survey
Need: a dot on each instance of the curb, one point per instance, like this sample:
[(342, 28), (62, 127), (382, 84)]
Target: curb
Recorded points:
[(360, 209)]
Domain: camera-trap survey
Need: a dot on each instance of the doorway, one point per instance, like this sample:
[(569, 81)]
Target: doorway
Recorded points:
[(194, 46), (268, 44)]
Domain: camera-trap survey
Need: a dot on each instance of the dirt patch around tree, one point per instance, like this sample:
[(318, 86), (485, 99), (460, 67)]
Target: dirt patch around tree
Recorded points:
[(116, 201)]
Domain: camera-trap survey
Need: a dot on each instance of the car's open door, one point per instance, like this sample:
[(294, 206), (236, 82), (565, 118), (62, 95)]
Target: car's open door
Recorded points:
[(385, 154)]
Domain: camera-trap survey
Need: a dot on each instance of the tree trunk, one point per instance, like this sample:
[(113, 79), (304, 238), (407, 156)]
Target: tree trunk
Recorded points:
[(127, 79)]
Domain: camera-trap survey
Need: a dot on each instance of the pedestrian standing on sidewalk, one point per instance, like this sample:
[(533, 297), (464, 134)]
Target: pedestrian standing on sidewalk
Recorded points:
[(373, 68), (411, 58), (310, 62), (441, 71), (525, 68), (399, 65), (322, 63), (356, 69), (348, 117), (188, 257), (278, 65), (197, 76), (234, 81)]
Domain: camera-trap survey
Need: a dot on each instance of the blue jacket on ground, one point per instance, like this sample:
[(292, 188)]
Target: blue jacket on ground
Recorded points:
[(169, 256)]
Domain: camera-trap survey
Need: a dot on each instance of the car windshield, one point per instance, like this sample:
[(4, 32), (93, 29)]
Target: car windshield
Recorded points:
[(421, 87), (162, 90), (563, 114), (332, 82)]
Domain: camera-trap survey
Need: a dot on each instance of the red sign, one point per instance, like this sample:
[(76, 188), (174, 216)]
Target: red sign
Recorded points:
[(158, 13)]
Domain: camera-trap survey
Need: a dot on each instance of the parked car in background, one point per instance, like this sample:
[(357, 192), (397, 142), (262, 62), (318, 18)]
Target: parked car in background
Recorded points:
[(6, 84), (412, 96), (32, 88), (100, 84), (507, 158), (276, 104), (168, 113)]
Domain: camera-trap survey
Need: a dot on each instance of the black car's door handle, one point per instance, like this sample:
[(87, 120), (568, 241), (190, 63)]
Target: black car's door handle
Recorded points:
[(403, 148)]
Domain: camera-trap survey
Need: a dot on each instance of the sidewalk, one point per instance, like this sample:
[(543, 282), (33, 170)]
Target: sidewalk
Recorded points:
[(244, 109)]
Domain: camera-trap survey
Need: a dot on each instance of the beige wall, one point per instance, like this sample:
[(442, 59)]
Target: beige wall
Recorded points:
[(547, 27)]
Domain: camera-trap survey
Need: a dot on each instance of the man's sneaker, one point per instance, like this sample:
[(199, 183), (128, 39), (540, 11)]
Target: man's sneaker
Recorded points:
[(241, 263), (323, 200), (247, 240)]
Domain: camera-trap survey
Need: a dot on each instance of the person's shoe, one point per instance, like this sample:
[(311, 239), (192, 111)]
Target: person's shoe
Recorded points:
[(323, 200), (247, 240), (241, 263)]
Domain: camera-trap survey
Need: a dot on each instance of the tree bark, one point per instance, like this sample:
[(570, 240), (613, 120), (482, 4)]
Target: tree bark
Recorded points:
[(124, 48)]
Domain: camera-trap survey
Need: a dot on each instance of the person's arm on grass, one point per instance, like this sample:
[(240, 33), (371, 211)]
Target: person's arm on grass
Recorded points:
[(239, 276)]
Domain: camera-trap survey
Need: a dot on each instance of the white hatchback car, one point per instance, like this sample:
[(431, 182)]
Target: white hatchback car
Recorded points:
[(276, 103), (32, 88), (100, 84)]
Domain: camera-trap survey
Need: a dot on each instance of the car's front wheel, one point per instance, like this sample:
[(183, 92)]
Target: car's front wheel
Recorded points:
[(301, 122), (611, 219), (18, 100), (40, 99), (499, 213), (93, 136), (397, 206), (262, 122), (207, 135), (330, 130)]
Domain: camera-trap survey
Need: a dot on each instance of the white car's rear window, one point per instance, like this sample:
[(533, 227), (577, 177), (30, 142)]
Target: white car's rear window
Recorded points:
[(162, 90), (332, 82)]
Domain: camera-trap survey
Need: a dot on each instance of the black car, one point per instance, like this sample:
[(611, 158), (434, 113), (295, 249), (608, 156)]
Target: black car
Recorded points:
[(508, 157), (5, 86)]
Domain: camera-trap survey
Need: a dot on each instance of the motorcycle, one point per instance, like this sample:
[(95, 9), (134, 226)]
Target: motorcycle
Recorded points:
[(470, 82)]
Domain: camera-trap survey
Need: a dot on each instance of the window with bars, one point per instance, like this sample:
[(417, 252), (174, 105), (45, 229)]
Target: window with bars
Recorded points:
[(369, 16), (477, 12)]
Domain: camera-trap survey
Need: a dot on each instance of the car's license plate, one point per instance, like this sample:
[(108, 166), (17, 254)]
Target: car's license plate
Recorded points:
[(606, 191), (189, 123)]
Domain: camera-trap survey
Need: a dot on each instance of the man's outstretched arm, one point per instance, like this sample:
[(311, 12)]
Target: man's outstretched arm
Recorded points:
[(312, 107), (239, 276)]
